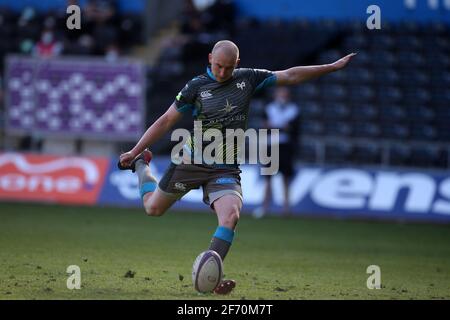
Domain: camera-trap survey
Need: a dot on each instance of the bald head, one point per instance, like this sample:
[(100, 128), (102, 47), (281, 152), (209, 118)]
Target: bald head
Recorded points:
[(224, 59), (226, 47)]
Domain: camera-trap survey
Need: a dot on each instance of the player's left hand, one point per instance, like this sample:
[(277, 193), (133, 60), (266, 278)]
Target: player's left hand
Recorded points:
[(341, 63)]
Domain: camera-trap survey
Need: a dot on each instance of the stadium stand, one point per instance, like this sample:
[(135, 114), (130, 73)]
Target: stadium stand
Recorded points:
[(104, 25), (396, 90)]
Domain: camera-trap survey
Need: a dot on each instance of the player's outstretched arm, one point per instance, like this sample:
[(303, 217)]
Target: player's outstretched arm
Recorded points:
[(297, 75), (155, 132)]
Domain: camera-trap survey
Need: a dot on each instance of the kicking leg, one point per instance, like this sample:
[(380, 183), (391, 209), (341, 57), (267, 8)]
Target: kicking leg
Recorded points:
[(154, 200), (157, 203)]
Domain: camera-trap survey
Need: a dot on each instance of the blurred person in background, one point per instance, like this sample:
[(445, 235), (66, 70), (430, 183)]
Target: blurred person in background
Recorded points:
[(100, 20), (26, 29), (112, 53), (100, 11), (282, 114), (47, 46)]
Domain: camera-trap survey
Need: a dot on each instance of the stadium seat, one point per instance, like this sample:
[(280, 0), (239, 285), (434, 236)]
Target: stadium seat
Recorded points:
[(335, 111), (366, 130), (427, 156), (437, 61), (389, 95), (422, 132), (367, 153), (364, 58), (361, 93), (408, 42), (443, 43), (436, 28), (440, 79), (307, 91), (338, 152), (333, 92), (443, 132), (440, 96), (392, 113), (384, 41), (337, 129), (407, 28), (336, 77), (358, 40), (399, 155), (312, 127), (420, 114), (395, 131), (410, 59), (131, 29), (383, 59), (329, 56), (311, 109), (308, 152), (365, 111), (442, 113), (414, 77), (359, 76), (386, 76), (413, 96)]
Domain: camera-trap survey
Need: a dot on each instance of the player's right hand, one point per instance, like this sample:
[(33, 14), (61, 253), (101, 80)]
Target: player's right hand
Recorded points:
[(126, 158)]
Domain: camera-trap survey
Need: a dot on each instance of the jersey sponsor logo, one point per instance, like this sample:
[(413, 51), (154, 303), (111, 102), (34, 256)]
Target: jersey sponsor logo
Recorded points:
[(50, 178), (180, 186), (240, 85), (238, 117), (206, 94), (228, 107)]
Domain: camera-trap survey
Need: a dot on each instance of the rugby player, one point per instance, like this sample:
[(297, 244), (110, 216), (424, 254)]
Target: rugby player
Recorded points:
[(220, 99)]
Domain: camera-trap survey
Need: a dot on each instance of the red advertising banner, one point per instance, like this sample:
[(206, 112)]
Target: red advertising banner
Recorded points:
[(43, 178)]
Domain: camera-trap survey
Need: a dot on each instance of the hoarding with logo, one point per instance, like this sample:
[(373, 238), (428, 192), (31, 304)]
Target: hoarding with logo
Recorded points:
[(43, 178), (360, 192), (407, 195), (318, 191)]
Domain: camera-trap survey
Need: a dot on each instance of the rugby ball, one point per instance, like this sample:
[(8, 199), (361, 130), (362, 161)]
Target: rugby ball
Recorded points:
[(207, 271)]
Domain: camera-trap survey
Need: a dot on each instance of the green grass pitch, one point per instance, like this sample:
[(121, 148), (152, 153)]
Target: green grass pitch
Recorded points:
[(124, 254)]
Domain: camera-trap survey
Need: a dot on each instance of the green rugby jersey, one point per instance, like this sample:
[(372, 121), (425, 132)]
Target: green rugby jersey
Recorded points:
[(222, 105)]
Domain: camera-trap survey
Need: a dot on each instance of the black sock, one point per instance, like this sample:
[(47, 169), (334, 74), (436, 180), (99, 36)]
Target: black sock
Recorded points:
[(220, 246)]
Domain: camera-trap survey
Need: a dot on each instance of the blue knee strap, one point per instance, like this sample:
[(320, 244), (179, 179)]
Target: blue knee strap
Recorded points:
[(224, 233), (148, 187)]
